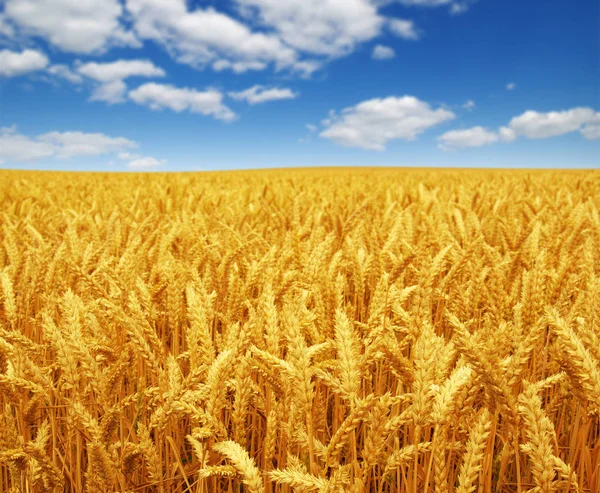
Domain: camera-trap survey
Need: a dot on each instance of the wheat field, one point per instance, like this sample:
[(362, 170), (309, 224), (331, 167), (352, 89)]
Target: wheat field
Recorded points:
[(328, 330)]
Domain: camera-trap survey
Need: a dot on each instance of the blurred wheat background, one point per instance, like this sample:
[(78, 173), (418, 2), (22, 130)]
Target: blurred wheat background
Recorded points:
[(300, 331)]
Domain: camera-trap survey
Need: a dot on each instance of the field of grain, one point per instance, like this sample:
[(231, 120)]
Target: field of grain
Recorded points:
[(300, 331)]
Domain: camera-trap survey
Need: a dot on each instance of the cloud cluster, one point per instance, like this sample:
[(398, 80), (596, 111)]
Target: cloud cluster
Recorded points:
[(531, 125), (204, 36), (373, 123), (248, 35), (16, 147), (111, 77)]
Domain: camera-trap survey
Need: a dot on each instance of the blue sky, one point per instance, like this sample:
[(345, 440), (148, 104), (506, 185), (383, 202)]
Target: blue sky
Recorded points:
[(169, 85)]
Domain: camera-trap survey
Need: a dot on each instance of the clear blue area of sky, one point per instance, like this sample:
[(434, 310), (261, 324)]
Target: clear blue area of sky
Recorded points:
[(550, 49)]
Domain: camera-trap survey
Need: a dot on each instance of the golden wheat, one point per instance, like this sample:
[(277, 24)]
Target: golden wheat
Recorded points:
[(303, 330)]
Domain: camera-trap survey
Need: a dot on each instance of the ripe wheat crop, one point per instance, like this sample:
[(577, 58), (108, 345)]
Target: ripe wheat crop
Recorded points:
[(300, 331)]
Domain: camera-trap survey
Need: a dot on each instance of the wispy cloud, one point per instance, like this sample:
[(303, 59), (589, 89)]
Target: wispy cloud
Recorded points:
[(381, 52), (159, 96), (261, 94)]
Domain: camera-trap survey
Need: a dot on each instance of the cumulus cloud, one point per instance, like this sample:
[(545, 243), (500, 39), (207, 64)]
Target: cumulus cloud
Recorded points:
[(373, 123), (64, 72), (320, 27), (72, 25), (469, 105), (261, 94), (403, 28), (14, 63), (381, 52), (17, 147), (534, 125), (472, 137), (510, 86), (159, 96)]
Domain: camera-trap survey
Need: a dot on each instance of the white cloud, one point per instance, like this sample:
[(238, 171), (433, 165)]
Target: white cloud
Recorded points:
[(426, 3), (20, 148), (472, 137), (455, 7), (403, 28), (469, 105), (80, 26), (110, 92), (536, 125), (530, 124), (292, 35), (320, 27), (459, 8), (510, 86), (64, 72), (148, 162), (158, 96), (592, 130), (74, 144), (261, 94), (237, 67), (381, 52), (507, 134), (203, 36), (311, 128), (136, 161), (120, 70), (6, 30), (112, 75), (13, 63), (373, 123), (128, 156)]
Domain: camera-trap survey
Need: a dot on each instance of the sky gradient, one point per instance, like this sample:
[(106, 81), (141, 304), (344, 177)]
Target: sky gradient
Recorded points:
[(167, 85)]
